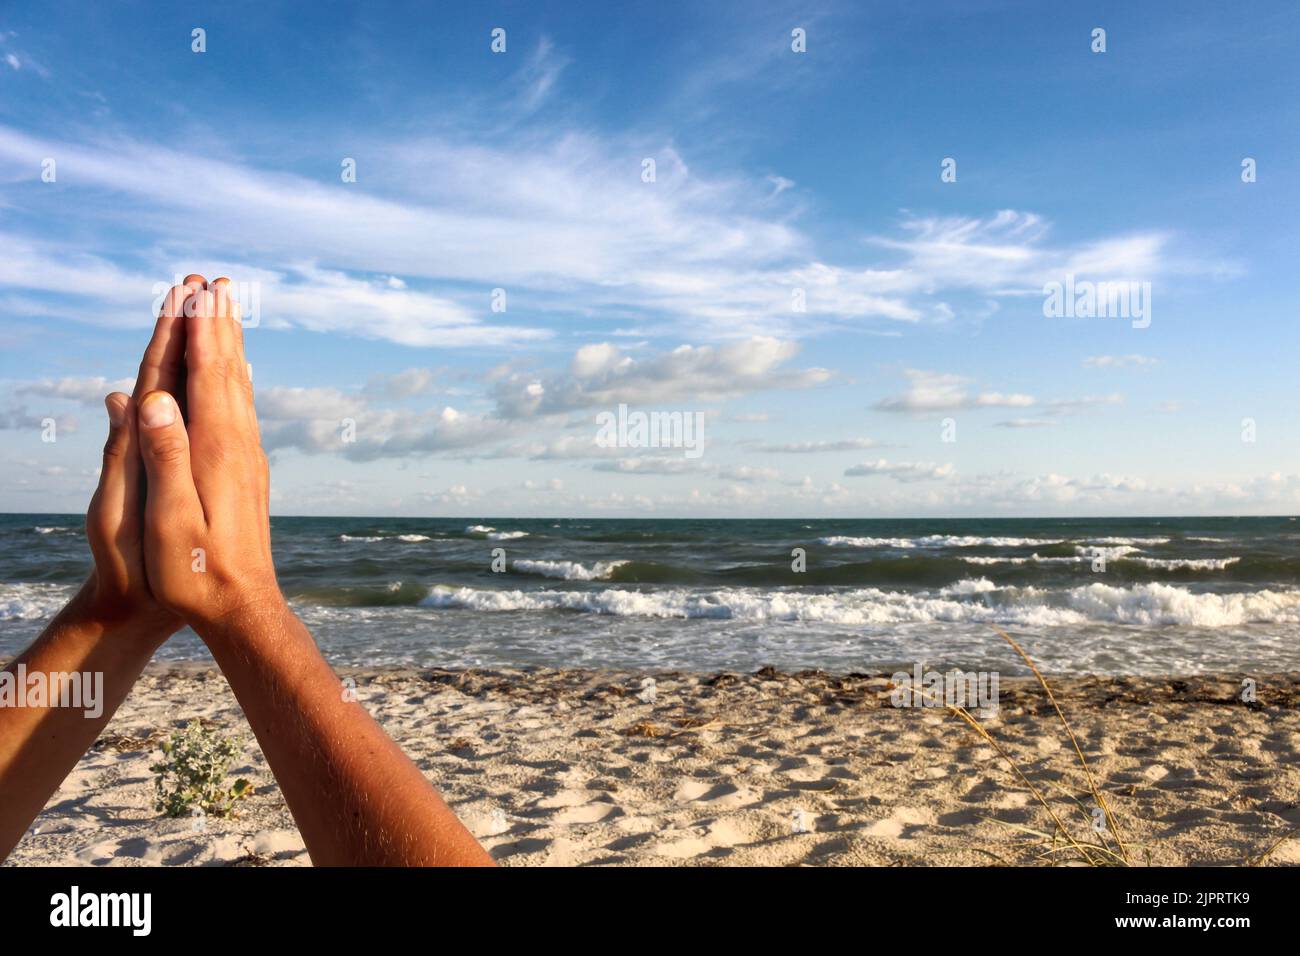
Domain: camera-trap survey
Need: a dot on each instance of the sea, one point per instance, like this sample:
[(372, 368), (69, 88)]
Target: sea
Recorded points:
[(1103, 596)]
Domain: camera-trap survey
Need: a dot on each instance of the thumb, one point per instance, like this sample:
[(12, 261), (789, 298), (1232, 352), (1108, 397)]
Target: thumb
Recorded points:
[(165, 450)]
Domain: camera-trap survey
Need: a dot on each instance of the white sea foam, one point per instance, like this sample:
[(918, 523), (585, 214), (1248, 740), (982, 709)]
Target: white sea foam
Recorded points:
[(569, 570), (412, 538), (1123, 552), (1128, 541), (32, 602), (52, 530), (492, 534), (352, 537), (1192, 564), (969, 586), (1032, 559), (1110, 554), (935, 541), (973, 600)]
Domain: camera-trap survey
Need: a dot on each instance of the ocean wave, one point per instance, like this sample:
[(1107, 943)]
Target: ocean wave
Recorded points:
[(56, 529), (360, 537), (936, 541), (1110, 554), (1121, 553), (32, 602), (1084, 556), (492, 534), (569, 570), (1190, 564), (967, 601), (389, 594), (1127, 541), (969, 586), (405, 538)]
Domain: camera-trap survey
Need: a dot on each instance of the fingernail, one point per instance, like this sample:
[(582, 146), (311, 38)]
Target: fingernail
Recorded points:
[(157, 410), (116, 412)]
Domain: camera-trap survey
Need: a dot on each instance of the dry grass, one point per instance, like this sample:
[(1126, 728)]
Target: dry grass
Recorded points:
[(1109, 848)]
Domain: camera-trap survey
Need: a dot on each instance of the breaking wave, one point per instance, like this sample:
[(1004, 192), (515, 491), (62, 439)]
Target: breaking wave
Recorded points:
[(569, 570), (969, 600)]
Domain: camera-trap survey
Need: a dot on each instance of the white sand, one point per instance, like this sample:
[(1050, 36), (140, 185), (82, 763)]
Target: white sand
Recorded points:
[(570, 767)]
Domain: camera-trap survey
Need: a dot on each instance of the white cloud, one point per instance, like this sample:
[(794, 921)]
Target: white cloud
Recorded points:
[(1026, 423), (1119, 361), (603, 376), (814, 447), (299, 295), (314, 420), (902, 470), (563, 222), (748, 473), (319, 420), (17, 417), (652, 466), (405, 384), (939, 392), (1007, 254), (539, 74), (935, 392), (86, 391), (1070, 406)]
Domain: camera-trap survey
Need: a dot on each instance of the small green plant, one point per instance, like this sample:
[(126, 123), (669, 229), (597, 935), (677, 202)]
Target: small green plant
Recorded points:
[(192, 774)]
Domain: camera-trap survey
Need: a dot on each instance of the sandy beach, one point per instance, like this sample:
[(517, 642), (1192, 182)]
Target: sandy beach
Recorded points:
[(573, 767)]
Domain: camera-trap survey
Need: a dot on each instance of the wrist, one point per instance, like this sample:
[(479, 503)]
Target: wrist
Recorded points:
[(126, 623), (253, 615)]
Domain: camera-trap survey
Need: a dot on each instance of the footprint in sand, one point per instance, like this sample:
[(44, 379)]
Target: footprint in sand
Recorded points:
[(594, 812), (563, 798), (724, 796), (682, 849), (894, 827)]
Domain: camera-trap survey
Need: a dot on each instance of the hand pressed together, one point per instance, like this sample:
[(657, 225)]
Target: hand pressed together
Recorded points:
[(179, 528), (206, 515)]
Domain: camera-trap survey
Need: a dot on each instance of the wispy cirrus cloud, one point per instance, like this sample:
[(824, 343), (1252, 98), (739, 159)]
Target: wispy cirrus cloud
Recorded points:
[(561, 220)]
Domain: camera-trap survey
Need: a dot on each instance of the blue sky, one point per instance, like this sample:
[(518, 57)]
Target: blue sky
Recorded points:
[(776, 173)]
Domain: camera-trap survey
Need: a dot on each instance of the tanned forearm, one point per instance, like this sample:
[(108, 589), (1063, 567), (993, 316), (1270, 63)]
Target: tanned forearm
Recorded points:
[(356, 797), (39, 745)]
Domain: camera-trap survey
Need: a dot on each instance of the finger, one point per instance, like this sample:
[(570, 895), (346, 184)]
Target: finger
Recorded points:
[(208, 359), (114, 517), (165, 451), (219, 385), (227, 306), (195, 281), (241, 377), (163, 365), (119, 478)]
